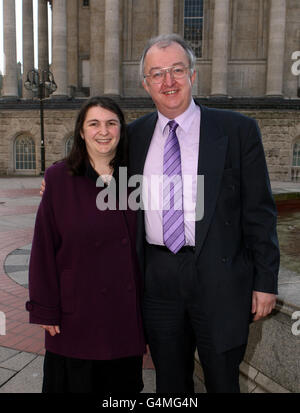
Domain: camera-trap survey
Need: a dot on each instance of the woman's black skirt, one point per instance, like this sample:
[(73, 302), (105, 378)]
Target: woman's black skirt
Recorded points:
[(71, 375)]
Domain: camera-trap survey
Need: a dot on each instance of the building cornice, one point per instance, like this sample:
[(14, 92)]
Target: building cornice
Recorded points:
[(243, 103)]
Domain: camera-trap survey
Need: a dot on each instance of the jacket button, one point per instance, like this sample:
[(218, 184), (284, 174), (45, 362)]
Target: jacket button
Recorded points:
[(224, 260), (103, 291), (129, 288), (29, 306), (124, 241), (228, 223)]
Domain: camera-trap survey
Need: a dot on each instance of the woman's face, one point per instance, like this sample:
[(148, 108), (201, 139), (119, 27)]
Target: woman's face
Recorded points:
[(101, 132)]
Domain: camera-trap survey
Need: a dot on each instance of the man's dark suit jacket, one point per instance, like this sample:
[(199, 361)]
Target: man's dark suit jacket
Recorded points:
[(236, 241)]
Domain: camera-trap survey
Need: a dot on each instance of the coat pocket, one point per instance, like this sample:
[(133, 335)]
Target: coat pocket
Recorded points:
[(67, 291)]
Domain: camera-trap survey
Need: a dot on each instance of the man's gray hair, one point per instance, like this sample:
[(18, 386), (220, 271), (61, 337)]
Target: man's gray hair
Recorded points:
[(165, 40)]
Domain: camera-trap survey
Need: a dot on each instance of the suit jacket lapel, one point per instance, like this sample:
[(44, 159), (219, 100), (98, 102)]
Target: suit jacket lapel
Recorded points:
[(212, 153), (142, 141)]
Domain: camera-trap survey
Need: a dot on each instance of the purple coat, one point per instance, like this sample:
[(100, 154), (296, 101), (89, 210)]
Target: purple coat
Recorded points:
[(83, 273)]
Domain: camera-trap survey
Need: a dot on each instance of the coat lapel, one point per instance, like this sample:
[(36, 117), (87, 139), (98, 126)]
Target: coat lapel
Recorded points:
[(212, 153)]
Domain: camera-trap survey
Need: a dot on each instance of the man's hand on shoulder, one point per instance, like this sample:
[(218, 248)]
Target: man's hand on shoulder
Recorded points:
[(262, 304), (43, 186)]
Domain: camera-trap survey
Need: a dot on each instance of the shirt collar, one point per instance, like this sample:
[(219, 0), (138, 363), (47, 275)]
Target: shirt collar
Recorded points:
[(184, 120)]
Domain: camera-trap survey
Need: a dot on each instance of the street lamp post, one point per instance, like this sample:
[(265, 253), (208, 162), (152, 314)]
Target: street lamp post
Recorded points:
[(41, 84)]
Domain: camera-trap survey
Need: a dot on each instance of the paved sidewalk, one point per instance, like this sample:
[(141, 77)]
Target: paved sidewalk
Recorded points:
[(22, 347)]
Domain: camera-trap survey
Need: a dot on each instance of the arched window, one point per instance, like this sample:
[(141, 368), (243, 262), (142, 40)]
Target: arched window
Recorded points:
[(25, 158), (295, 172), (193, 24), (69, 144)]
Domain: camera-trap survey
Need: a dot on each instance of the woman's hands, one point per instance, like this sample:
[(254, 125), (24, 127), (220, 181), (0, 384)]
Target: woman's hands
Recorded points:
[(53, 330)]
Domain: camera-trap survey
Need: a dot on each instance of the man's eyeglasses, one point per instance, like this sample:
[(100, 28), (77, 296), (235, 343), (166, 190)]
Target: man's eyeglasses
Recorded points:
[(157, 76)]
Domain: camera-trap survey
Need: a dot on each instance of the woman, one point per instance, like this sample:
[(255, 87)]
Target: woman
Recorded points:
[(84, 282)]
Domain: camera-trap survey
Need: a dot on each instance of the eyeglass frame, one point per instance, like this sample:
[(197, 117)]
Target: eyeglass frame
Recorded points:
[(166, 70)]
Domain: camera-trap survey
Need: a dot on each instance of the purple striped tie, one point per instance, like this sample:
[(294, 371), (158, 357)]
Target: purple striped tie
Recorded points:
[(173, 218)]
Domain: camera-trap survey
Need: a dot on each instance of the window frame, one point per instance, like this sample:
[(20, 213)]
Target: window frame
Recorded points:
[(68, 144), (191, 17), (20, 157)]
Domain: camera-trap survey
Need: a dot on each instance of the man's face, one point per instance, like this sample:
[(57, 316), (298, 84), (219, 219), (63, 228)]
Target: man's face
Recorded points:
[(173, 96)]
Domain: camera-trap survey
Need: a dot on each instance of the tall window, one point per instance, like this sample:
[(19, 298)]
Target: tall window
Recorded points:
[(193, 24), (86, 3), (296, 154), (25, 153), (69, 144)]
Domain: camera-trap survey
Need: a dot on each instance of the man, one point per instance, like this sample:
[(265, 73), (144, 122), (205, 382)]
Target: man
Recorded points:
[(223, 267)]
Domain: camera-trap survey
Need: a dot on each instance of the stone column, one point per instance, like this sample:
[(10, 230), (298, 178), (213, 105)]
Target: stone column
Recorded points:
[(97, 24), (10, 80), (112, 48), (166, 16), (72, 45), (28, 45), (276, 48), (220, 48), (59, 46), (43, 50)]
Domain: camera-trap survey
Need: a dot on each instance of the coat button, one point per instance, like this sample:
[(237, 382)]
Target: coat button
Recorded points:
[(224, 260), (124, 241), (29, 306), (129, 288), (228, 223), (103, 291)]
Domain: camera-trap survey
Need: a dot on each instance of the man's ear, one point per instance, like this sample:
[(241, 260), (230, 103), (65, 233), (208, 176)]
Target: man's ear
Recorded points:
[(193, 77)]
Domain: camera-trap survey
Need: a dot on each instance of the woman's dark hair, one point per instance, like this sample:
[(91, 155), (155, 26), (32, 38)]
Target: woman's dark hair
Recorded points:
[(76, 160)]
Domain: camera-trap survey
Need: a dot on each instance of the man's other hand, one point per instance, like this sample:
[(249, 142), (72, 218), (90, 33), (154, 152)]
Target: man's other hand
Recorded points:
[(262, 304)]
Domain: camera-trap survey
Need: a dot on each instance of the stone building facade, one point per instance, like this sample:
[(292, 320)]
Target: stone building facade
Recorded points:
[(244, 54)]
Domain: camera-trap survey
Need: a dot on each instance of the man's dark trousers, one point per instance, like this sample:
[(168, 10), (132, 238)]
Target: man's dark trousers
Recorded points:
[(175, 320)]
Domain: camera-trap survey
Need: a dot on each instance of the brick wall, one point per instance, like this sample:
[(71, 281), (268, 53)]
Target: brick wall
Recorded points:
[(279, 131)]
